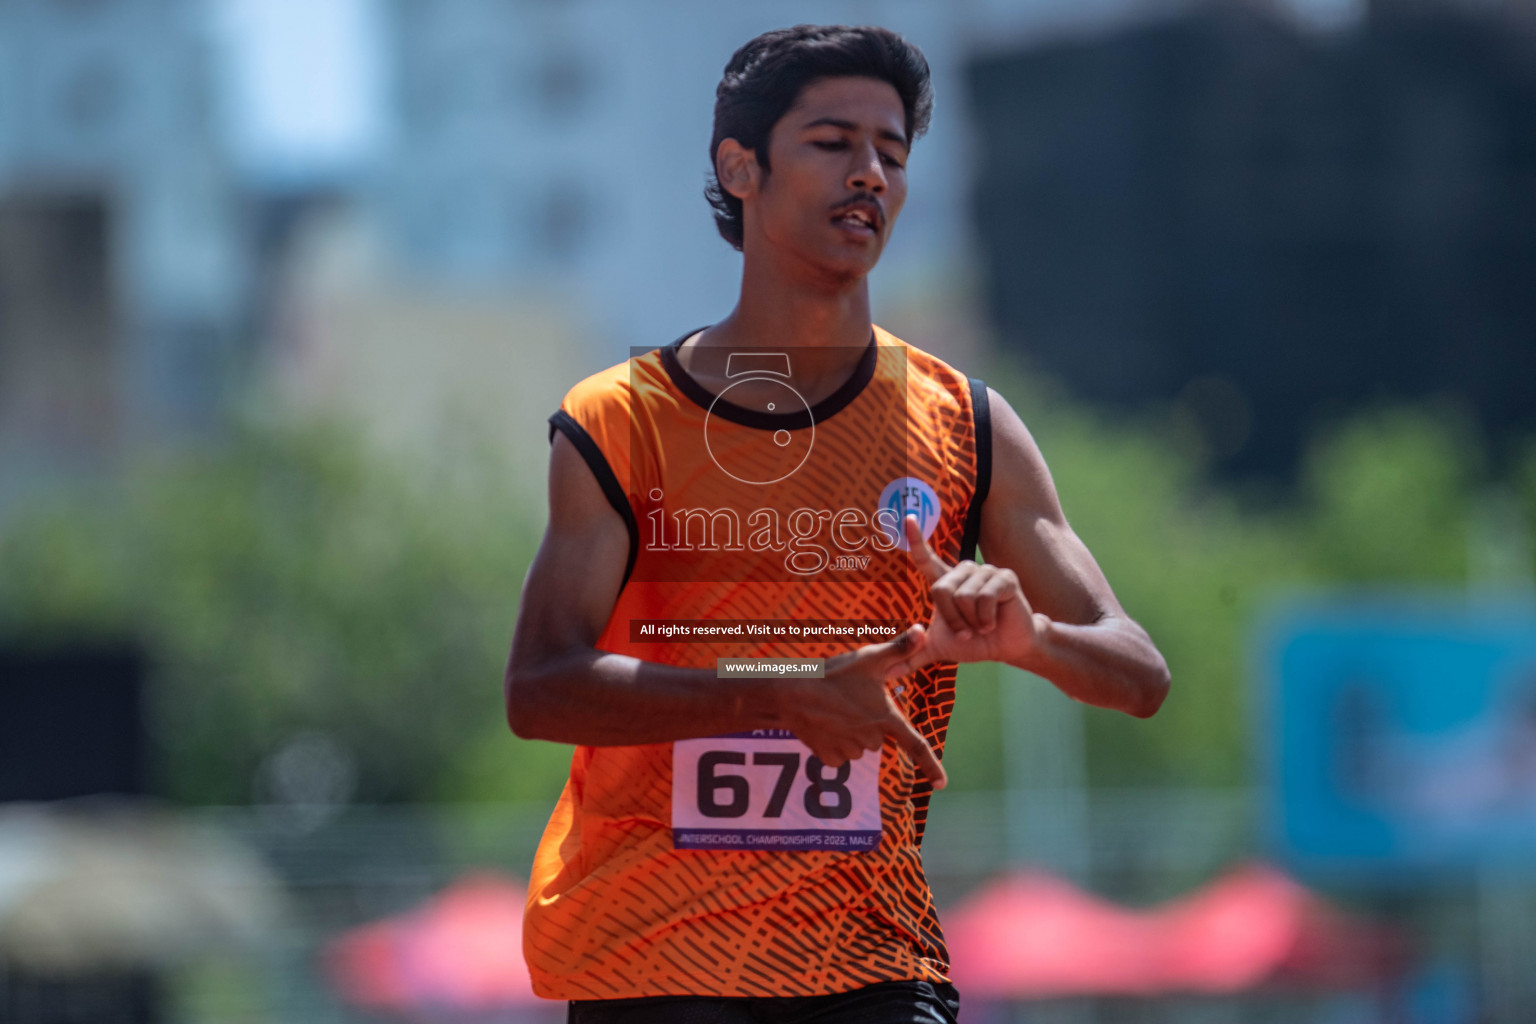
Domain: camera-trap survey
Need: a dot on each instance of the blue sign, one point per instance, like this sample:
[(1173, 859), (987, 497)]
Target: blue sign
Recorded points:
[(1400, 737)]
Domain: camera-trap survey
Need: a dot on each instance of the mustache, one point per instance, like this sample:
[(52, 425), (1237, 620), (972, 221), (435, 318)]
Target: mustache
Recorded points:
[(862, 197)]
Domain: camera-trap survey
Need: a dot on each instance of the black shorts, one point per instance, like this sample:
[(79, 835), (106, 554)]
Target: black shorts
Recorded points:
[(890, 1002)]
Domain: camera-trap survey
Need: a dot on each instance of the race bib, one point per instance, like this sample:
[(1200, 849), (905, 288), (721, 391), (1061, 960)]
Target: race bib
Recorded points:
[(765, 790)]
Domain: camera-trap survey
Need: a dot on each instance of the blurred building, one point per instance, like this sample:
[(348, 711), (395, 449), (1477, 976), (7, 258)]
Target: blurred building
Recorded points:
[(1162, 202), (122, 277), (162, 164), (564, 147)]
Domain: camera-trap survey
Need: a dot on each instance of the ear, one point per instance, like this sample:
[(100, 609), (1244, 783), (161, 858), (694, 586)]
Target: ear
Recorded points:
[(737, 168)]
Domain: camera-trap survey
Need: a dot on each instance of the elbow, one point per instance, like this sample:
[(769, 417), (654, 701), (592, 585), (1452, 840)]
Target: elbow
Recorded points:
[(539, 695), (1151, 691), (524, 720), (520, 722), (524, 715)]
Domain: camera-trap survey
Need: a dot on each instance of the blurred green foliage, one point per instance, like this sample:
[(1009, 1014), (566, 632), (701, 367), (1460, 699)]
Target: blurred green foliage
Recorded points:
[(293, 581), (1388, 497)]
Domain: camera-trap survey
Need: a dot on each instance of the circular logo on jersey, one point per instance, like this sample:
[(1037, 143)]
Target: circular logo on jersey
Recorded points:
[(752, 455), (907, 496)]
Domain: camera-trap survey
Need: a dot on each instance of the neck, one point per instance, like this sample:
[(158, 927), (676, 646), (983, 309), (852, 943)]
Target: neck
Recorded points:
[(794, 307)]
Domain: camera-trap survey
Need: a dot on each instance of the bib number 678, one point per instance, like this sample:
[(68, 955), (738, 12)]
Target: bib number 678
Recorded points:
[(723, 795)]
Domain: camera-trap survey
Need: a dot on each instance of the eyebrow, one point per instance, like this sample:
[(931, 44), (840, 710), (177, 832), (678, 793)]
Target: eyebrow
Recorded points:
[(837, 122)]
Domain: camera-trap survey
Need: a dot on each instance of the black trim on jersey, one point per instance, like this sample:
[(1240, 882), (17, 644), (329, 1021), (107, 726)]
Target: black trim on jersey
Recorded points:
[(822, 410), (981, 410), (578, 436)]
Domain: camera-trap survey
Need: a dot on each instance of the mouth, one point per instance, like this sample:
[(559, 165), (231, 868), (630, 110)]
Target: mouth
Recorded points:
[(862, 217)]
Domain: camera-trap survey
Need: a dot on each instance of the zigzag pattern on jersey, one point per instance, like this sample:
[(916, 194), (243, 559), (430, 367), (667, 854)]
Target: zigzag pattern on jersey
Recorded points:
[(742, 922), (955, 430), (614, 910)]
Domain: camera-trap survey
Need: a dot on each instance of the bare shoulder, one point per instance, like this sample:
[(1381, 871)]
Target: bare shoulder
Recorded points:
[(1024, 529), (578, 570), (1021, 480), (577, 502)]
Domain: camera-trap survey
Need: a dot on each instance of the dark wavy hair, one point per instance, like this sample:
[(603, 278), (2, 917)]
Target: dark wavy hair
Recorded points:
[(764, 78)]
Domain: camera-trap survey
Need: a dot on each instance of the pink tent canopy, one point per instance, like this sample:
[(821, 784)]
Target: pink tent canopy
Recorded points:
[(1029, 935), (461, 950)]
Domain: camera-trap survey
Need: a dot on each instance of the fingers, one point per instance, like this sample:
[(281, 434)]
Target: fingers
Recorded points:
[(981, 593), (837, 749), (944, 603), (877, 659), (967, 595), (836, 753), (910, 740), (975, 603), (928, 563), (916, 655), (970, 596)]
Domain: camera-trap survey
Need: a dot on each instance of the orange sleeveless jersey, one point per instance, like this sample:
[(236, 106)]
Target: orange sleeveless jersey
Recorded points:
[(790, 878)]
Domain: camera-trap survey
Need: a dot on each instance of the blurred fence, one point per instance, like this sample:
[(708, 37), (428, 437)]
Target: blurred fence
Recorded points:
[(369, 862), (1473, 938)]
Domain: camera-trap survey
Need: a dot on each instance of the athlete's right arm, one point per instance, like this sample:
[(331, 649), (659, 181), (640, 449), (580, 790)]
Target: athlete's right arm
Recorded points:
[(559, 686)]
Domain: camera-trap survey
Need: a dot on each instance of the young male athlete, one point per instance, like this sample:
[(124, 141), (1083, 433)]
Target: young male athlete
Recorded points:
[(786, 484)]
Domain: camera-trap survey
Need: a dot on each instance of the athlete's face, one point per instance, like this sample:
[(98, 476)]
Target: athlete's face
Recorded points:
[(838, 178)]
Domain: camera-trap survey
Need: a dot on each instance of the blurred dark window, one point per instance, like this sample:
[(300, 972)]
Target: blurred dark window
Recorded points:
[(57, 325), (1267, 226), (71, 724), (120, 998)]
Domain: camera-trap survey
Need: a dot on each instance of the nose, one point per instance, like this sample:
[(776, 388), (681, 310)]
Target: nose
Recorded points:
[(867, 173)]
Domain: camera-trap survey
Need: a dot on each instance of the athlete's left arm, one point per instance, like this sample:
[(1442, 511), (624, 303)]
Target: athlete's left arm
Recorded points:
[(1040, 602)]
